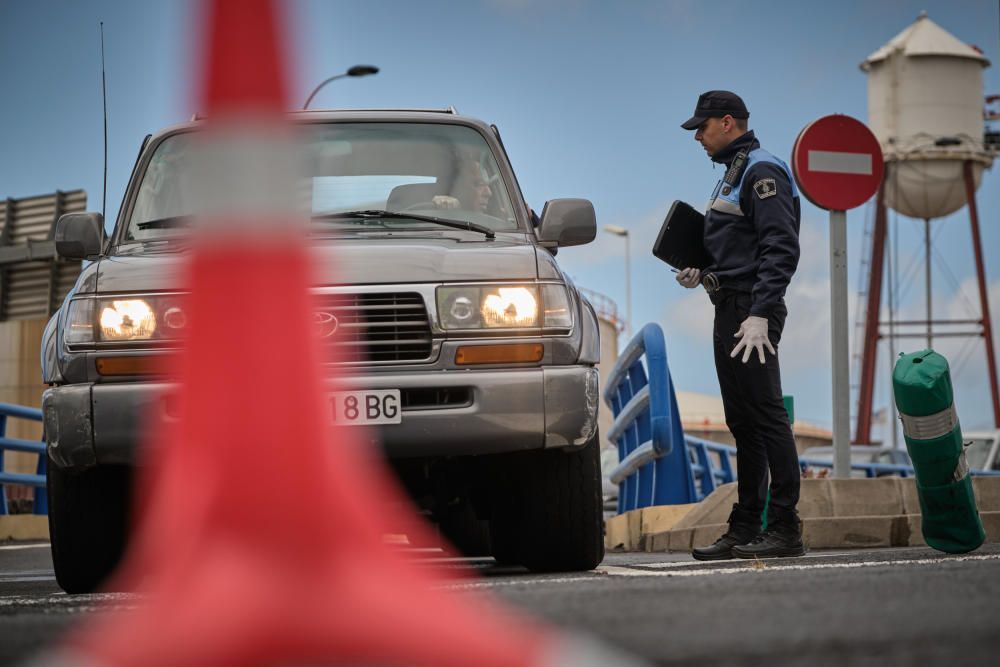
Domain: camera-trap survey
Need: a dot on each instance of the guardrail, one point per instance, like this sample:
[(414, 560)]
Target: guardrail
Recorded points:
[(659, 464), (14, 444)]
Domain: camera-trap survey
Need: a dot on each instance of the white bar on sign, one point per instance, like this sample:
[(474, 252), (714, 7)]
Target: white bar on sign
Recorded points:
[(840, 163)]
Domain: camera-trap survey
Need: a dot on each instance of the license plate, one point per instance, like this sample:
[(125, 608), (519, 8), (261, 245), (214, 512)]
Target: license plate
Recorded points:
[(373, 406)]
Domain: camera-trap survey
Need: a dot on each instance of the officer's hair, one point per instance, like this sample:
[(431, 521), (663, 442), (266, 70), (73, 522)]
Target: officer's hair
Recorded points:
[(741, 124)]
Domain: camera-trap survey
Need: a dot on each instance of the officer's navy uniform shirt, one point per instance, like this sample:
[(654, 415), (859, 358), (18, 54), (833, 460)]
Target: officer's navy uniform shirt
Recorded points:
[(752, 228)]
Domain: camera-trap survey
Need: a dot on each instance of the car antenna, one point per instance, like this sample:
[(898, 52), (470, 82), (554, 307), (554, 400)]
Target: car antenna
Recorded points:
[(104, 97)]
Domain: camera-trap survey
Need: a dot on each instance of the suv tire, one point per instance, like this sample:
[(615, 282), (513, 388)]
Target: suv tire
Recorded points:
[(88, 515), (469, 534), (551, 517)]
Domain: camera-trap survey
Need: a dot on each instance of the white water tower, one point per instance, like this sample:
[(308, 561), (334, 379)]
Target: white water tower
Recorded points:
[(925, 105)]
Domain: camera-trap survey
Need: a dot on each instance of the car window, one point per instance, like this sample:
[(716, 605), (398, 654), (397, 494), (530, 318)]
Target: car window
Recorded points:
[(440, 170)]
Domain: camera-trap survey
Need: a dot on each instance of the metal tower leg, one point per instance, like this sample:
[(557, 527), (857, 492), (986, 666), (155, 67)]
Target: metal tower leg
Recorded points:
[(984, 301), (862, 433)]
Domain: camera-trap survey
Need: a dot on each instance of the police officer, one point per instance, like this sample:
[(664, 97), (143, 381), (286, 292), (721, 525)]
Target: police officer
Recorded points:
[(752, 237)]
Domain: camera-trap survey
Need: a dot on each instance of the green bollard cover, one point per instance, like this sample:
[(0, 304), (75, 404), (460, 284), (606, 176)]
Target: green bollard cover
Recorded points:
[(921, 385)]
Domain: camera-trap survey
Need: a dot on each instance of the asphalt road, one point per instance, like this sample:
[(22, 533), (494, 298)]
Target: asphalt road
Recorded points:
[(883, 607)]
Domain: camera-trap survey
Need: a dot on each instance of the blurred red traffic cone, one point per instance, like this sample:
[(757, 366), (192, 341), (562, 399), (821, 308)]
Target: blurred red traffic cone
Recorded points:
[(234, 575)]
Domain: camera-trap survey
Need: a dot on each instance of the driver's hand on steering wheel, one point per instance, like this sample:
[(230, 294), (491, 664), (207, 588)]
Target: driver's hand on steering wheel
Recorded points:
[(445, 201)]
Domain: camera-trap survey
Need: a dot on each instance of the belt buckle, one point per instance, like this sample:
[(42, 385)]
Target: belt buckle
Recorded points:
[(710, 282)]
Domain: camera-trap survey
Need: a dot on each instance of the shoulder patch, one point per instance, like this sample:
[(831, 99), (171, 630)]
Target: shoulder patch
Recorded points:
[(765, 188)]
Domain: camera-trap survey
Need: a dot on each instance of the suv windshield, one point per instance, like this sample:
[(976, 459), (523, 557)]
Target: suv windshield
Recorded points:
[(438, 170)]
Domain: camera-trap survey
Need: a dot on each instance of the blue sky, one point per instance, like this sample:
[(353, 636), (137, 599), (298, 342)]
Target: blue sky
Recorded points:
[(588, 97)]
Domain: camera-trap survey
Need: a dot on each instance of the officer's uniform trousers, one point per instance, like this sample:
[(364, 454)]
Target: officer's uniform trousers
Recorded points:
[(756, 415)]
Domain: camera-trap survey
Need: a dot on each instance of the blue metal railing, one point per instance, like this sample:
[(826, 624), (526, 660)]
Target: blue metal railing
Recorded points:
[(14, 444), (654, 468), (712, 464), (647, 427)]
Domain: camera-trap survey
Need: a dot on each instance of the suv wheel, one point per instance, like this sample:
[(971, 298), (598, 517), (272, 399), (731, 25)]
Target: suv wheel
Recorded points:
[(549, 515), (88, 514)]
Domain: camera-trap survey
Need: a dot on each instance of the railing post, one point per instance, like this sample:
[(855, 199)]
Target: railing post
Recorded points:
[(674, 478), (41, 492), (3, 488), (627, 490), (38, 480), (645, 477)]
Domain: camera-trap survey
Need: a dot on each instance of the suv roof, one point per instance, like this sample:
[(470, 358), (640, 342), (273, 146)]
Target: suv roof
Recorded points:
[(448, 115), (449, 110)]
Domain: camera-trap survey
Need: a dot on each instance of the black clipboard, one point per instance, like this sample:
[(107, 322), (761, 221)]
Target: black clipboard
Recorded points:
[(681, 240)]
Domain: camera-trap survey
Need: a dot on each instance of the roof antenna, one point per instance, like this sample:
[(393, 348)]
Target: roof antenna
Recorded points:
[(104, 96)]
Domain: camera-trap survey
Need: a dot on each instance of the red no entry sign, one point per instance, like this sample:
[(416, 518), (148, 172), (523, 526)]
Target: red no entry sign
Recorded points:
[(837, 162)]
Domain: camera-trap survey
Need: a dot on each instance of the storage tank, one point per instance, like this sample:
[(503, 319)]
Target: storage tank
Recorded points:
[(925, 105)]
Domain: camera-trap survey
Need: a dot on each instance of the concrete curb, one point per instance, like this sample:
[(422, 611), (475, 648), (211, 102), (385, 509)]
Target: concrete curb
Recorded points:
[(836, 514), (24, 527)]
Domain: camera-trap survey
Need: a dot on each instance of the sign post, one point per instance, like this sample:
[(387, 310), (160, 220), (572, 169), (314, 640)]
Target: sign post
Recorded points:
[(837, 163), (840, 348)]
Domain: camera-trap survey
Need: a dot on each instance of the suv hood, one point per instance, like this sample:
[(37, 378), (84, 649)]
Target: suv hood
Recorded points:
[(354, 260)]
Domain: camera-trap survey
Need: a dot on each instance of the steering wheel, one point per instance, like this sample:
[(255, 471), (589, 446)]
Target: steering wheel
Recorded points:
[(424, 205)]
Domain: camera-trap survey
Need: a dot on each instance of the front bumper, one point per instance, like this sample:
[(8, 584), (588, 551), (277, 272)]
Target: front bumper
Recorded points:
[(503, 411)]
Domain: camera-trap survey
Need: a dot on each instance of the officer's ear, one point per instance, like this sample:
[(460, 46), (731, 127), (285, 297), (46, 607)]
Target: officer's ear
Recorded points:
[(728, 123)]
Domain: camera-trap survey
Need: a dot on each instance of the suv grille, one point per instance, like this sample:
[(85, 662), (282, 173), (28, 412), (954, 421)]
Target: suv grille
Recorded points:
[(372, 328)]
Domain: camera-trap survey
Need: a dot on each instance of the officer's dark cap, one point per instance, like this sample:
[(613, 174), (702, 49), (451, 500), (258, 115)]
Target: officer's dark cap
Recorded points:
[(716, 104)]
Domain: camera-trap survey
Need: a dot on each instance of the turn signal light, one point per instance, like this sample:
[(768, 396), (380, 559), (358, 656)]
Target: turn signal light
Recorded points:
[(144, 365), (499, 354)]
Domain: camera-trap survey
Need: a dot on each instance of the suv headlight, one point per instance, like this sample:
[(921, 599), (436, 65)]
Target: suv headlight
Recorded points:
[(127, 319), (504, 307), (123, 320)]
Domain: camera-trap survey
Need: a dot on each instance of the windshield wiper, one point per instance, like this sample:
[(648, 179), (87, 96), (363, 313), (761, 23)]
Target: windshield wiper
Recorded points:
[(393, 215), (166, 223)]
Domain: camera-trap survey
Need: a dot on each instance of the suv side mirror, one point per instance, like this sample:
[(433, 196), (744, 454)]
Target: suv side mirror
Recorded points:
[(79, 235), (567, 222)]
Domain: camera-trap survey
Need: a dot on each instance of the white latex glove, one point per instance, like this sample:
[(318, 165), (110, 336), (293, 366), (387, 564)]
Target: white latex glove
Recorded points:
[(445, 201), (753, 336), (689, 278)]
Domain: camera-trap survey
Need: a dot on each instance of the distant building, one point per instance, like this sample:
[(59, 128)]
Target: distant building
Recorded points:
[(703, 417), (33, 283)]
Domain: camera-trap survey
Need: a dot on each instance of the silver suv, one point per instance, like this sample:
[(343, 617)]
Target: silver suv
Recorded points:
[(460, 346)]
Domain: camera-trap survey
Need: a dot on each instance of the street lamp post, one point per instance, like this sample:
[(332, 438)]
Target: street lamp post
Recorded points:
[(357, 70), (621, 231)]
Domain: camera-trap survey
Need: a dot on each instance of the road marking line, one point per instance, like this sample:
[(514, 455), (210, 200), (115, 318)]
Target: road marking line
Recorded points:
[(771, 566), (837, 162), (517, 582), (691, 563), (627, 571), (17, 580), (63, 601), (14, 547)]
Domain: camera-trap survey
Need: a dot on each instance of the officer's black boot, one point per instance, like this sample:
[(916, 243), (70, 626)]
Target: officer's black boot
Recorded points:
[(743, 527), (782, 539)]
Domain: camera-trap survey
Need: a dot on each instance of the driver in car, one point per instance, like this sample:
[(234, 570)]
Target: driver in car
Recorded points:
[(470, 192)]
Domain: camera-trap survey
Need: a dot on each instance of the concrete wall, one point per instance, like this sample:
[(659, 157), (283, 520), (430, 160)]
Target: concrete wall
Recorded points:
[(21, 383), (721, 434)]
